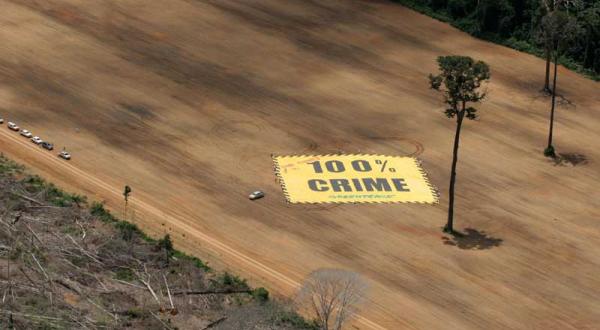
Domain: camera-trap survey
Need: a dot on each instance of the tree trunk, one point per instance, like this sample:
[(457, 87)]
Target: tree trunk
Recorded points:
[(8, 268), (459, 119), (547, 79), (553, 101), (587, 48)]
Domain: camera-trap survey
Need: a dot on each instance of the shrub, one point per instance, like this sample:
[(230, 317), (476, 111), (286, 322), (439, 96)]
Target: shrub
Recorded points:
[(197, 262), (229, 280), (97, 209), (127, 230), (54, 195), (286, 317), (34, 183), (521, 45), (261, 294)]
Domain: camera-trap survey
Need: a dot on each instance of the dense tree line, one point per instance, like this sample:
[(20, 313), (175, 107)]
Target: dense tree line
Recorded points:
[(519, 24)]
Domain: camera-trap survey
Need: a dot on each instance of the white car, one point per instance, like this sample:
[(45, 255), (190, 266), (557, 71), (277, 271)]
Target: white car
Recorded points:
[(13, 126), (256, 195), (36, 140), (26, 133), (64, 155)]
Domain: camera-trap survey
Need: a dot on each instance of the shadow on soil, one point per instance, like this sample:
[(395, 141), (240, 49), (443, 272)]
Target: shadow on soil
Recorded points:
[(561, 100), (570, 159), (472, 239)]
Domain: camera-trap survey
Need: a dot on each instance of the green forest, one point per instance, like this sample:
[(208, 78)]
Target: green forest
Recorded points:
[(526, 25)]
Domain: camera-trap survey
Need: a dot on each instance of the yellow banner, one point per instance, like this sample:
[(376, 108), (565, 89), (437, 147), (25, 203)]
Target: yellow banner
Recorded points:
[(353, 179)]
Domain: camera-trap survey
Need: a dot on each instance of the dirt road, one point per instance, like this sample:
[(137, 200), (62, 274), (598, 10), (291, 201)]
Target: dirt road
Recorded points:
[(185, 101)]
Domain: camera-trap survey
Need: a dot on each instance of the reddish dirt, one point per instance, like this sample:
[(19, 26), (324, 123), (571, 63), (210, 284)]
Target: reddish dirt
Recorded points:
[(185, 101)]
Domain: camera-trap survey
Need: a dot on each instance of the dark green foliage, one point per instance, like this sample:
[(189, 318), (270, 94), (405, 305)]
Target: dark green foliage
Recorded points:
[(461, 78), (560, 30), (126, 193), (261, 294), (33, 183), (200, 264), (232, 281), (197, 262), (494, 17), (523, 46), (458, 8), (166, 245), (127, 230), (589, 42), (97, 209), (54, 195), (292, 318), (517, 24)]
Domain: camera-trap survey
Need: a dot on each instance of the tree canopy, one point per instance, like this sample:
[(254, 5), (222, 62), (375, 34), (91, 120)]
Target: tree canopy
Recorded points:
[(517, 23), (459, 80)]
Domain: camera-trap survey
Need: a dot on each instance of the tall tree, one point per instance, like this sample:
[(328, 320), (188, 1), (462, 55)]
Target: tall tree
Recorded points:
[(494, 16), (459, 80), (547, 32), (126, 193), (564, 29), (333, 296), (590, 21)]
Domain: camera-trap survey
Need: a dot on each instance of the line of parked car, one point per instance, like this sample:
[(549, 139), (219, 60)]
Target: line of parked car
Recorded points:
[(35, 139)]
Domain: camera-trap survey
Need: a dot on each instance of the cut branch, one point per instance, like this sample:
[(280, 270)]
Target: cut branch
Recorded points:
[(28, 199), (168, 292), (178, 293), (214, 323)]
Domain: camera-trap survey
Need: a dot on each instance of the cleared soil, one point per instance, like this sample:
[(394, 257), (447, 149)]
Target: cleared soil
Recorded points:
[(186, 100)]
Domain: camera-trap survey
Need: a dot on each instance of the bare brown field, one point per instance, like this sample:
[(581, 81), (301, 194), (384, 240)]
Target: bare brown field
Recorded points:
[(186, 100)]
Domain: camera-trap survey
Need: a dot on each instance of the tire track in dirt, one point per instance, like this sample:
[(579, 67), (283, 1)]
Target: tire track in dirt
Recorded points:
[(419, 149), (175, 221)]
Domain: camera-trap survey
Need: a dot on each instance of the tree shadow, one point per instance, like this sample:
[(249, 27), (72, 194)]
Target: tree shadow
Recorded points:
[(561, 100), (472, 239), (570, 159)]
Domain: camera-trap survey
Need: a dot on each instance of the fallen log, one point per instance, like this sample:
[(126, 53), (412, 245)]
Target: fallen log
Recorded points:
[(178, 293)]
